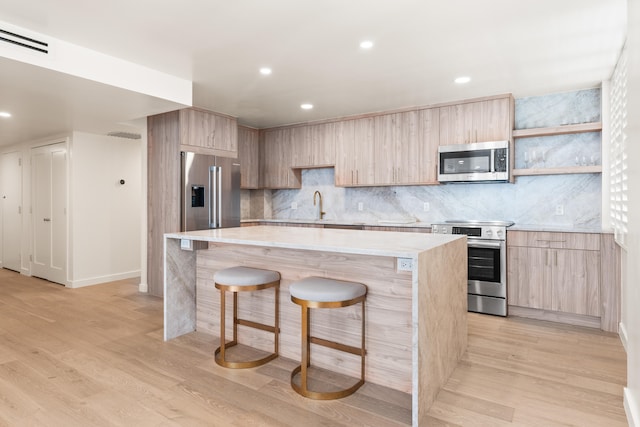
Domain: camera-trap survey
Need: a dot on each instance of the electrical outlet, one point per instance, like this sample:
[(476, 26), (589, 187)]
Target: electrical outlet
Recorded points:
[(294, 205), (405, 264), (559, 210), (360, 206), (426, 207)]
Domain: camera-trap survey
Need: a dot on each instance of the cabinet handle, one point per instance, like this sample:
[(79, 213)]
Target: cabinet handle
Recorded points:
[(546, 260), (357, 177), (556, 258), (352, 177), (46, 219)]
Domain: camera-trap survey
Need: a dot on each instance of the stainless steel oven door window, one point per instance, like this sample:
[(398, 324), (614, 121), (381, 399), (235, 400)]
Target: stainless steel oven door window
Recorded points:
[(486, 267)]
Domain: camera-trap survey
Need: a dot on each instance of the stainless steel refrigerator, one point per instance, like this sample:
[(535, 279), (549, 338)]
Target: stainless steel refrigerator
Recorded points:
[(210, 192)]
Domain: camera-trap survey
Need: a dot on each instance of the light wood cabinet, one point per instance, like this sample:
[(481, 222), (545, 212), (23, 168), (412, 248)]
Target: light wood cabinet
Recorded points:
[(477, 121), (276, 159), (249, 156), (354, 152), (426, 167), (406, 147), (314, 145), (208, 133), (388, 149), (555, 271)]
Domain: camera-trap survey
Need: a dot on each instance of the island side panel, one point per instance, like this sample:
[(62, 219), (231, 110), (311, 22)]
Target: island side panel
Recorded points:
[(388, 308), (442, 318), (179, 290)]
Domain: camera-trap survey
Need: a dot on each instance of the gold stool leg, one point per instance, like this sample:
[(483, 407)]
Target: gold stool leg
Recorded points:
[(222, 324), (219, 354), (307, 339), (362, 347), (276, 323)]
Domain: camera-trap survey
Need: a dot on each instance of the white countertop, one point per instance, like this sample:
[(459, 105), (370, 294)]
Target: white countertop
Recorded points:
[(379, 223), (560, 228), (380, 243)]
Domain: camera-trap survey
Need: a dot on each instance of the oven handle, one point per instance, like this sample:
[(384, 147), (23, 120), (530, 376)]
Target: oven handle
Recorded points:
[(484, 244)]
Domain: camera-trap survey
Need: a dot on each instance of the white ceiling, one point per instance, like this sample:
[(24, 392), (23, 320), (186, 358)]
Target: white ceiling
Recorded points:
[(523, 47)]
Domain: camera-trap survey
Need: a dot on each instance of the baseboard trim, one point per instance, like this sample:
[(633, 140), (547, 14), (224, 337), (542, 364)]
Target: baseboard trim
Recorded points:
[(623, 336), (143, 287), (631, 409), (103, 279), (555, 316)]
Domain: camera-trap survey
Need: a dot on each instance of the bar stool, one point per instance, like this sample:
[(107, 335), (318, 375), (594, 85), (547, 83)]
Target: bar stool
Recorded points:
[(245, 279), (319, 292)]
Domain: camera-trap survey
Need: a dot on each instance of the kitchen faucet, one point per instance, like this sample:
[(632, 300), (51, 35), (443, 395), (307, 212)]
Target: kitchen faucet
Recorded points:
[(320, 213)]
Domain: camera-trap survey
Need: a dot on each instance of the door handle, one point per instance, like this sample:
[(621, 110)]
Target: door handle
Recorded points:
[(46, 219)]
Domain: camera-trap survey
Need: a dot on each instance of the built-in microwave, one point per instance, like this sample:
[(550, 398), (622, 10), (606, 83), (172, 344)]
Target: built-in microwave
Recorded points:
[(481, 161)]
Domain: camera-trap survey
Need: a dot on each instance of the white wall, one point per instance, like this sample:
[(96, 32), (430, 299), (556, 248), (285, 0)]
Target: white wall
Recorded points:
[(631, 272), (105, 215)]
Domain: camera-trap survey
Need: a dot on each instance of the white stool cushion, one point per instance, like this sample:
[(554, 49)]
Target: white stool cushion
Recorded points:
[(321, 289), (245, 276)]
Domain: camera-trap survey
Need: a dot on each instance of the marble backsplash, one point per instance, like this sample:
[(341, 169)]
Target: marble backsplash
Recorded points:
[(531, 200)]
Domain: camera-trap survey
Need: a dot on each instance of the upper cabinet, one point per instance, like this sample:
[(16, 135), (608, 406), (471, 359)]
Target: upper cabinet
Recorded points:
[(382, 149), (355, 153), (388, 149), (477, 121), (314, 146), (249, 155), (276, 159), (208, 133)]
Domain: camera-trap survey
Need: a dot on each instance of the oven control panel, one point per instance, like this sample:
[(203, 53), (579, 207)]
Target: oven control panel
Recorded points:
[(487, 232)]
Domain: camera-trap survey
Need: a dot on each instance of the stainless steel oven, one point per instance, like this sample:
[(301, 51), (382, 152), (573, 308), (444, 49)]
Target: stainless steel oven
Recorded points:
[(487, 262)]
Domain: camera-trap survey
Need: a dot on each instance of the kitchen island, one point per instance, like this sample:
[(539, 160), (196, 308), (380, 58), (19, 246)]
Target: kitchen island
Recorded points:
[(416, 304)]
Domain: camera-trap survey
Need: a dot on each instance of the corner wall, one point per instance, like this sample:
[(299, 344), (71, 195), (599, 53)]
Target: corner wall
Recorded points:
[(105, 215)]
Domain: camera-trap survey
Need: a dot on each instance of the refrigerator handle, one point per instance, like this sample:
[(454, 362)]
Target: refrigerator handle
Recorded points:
[(219, 192), (212, 200)]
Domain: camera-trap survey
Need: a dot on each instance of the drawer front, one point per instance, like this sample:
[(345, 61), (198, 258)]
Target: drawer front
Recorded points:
[(553, 240)]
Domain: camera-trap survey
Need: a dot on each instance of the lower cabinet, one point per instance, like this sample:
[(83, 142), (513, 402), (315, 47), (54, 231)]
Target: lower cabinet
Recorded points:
[(566, 280), (563, 277)]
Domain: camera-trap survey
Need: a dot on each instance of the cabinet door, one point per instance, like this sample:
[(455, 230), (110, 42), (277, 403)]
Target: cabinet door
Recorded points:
[(398, 154), (364, 152), (345, 153), (491, 120), (300, 146), (480, 121), (528, 277), (428, 139), (248, 154), (576, 281), (385, 135), (314, 145), (456, 122), (209, 131), (323, 144), (277, 172)]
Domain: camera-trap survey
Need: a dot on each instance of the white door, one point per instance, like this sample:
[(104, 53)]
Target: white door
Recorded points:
[(11, 193), (49, 192)]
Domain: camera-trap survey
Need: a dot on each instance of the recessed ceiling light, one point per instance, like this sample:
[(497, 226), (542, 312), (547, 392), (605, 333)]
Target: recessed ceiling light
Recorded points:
[(306, 106), (265, 71), (366, 44), (4, 114), (462, 80)]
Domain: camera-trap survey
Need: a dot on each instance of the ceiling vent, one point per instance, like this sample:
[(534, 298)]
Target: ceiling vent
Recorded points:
[(127, 135), (23, 41)]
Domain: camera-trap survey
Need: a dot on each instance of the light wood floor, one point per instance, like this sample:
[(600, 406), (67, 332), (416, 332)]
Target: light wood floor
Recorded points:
[(95, 356)]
